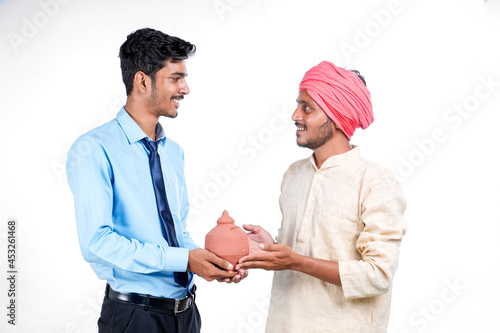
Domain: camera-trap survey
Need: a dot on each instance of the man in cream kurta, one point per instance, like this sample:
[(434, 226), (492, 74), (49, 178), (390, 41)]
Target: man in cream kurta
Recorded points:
[(338, 246), (351, 211)]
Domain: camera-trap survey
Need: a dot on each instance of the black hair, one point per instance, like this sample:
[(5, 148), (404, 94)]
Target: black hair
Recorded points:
[(359, 75), (148, 50)]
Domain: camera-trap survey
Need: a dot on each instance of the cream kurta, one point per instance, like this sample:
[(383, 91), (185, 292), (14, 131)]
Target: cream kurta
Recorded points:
[(351, 211)]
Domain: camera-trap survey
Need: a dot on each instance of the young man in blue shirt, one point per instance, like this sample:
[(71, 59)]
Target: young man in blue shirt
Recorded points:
[(131, 202)]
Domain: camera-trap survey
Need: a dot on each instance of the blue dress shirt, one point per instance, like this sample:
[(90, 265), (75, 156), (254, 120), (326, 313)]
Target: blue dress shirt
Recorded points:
[(119, 229)]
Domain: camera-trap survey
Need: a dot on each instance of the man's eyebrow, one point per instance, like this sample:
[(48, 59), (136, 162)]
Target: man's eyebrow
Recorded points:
[(301, 101), (179, 73)]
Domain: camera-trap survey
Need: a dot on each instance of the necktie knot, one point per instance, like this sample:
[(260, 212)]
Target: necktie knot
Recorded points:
[(151, 146)]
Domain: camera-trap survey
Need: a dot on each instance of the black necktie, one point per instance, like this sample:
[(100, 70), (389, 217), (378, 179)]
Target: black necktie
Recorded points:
[(162, 203)]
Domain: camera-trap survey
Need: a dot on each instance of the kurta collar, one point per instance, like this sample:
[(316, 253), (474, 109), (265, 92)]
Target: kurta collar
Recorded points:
[(338, 160), (133, 132)]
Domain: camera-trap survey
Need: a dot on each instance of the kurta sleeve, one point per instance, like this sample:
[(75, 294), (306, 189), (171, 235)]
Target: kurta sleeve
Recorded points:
[(381, 212)]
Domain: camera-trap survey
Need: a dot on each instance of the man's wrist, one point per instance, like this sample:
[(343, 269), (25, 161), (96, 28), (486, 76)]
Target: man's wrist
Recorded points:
[(298, 262)]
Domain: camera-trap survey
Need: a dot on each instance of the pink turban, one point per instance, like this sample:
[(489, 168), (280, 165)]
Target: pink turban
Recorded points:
[(341, 94)]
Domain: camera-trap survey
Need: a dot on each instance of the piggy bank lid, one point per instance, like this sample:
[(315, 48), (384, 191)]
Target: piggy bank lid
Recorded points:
[(225, 218)]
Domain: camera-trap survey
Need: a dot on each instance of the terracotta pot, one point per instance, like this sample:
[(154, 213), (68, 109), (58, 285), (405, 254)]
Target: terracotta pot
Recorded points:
[(227, 240)]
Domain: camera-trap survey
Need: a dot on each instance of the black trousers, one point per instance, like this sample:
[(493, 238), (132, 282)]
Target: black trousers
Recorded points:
[(120, 317)]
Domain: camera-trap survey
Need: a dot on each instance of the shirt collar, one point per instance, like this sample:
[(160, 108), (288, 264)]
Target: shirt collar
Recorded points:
[(338, 160), (133, 132)]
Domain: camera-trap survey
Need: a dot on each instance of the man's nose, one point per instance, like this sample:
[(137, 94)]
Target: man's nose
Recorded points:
[(184, 88), (297, 115)]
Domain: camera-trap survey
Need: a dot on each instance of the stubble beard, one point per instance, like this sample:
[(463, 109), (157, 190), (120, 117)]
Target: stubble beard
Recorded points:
[(155, 100), (325, 133)]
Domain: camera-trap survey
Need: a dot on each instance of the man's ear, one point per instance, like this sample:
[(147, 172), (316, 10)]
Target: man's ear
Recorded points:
[(334, 126), (141, 82), (336, 129)]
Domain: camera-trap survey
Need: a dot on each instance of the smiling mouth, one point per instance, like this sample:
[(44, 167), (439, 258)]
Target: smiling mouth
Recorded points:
[(177, 100), (300, 127)]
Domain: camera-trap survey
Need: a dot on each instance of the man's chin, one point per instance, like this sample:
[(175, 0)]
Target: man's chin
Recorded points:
[(168, 114), (302, 144), (308, 144)]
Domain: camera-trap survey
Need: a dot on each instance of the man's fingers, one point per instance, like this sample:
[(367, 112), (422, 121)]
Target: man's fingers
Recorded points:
[(235, 279), (209, 266), (243, 273), (253, 261), (265, 247), (253, 257), (225, 274), (222, 275), (260, 256), (242, 259), (254, 264), (250, 227), (270, 247), (222, 263)]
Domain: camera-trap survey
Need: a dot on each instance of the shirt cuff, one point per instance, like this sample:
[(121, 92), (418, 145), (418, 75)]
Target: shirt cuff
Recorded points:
[(176, 259), (349, 280)]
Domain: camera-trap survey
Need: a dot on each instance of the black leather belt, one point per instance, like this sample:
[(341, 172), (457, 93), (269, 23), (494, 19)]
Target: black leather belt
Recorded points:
[(176, 305)]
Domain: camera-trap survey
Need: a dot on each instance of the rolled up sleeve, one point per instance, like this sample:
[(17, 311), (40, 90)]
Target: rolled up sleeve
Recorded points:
[(382, 209)]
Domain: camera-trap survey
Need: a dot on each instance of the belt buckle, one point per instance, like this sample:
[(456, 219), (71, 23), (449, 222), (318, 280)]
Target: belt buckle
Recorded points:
[(180, 301)]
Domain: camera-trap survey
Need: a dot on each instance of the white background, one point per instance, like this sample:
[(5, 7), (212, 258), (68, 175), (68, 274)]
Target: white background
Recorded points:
[(423, 61)]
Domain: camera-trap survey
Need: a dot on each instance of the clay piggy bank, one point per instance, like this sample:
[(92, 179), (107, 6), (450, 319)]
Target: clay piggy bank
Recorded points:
[(227, 240)]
